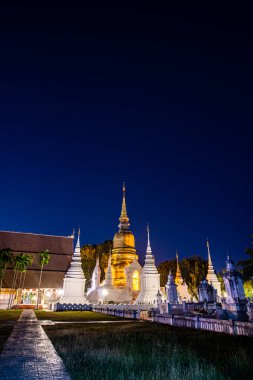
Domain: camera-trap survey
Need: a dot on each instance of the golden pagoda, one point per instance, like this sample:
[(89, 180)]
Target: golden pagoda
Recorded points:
[(123, 252)]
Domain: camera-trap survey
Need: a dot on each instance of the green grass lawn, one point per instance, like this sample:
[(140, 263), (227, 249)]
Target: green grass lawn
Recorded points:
[(5, 331), (138, 351), (9, 315), (74, 316)]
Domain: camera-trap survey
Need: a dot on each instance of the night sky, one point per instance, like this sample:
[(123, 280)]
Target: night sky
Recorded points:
[(160, 99)]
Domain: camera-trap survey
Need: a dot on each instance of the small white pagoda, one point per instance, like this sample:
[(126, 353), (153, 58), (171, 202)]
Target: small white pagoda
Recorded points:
[(150, 278), (211, 276), (74, 281), (92, 293)]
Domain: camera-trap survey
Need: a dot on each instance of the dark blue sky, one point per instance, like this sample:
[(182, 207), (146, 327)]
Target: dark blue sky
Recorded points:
[(160, 99)]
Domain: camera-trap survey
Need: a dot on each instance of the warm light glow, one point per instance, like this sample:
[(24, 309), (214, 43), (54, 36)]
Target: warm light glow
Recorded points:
[(104, 292), (60, 292), (135, 279)]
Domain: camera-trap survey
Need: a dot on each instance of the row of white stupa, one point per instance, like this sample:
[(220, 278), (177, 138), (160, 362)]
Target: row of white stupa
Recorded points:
[(74, 281)]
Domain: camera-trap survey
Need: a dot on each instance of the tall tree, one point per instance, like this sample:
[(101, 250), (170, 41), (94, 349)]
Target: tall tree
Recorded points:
[(164, 269), (43, 260), (247, 265), (18, 263), (89, 254), (6, 258), (26, 260), (193, 270)]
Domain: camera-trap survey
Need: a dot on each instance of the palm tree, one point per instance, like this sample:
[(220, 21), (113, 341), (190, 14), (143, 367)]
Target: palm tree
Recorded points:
[(18, 263), (5, 259), (44, 260), (25, 261)]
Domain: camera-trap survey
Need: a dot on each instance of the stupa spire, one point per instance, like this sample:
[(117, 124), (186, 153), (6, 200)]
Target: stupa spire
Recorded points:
[(211, 276), (148, 244), (209, 254), (179, 278), (124, 220), (75, 269), (78, 239)]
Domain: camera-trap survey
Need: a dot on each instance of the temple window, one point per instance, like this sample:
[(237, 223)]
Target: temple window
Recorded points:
[(135, 282)]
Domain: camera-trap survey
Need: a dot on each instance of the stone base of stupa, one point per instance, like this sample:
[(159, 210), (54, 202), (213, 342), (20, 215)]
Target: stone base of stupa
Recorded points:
[(73, 291), (92, 296), (146, 297), (112, 294)]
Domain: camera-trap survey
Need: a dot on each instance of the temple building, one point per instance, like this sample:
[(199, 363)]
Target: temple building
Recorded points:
[(150, 278), (60, 249), (74, 281), (182, 287), (211, 276)]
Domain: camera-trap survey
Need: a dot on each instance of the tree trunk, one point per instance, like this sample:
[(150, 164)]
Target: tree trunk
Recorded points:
[(12, 287), (24, 279), (37, 306)]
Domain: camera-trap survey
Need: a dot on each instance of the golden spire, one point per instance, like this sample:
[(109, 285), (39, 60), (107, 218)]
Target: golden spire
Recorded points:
[(124, 220), (178, 278)]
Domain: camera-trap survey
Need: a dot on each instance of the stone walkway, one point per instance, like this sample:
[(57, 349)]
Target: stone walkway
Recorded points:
[(29, 354)]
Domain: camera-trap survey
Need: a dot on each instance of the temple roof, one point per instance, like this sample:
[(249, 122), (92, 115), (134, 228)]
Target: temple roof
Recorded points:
[(60, 249)]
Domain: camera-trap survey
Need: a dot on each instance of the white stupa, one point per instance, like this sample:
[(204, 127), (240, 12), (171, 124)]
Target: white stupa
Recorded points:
[(74, 281), (106, 290), (92, 293), (211, 276), (150, 278)]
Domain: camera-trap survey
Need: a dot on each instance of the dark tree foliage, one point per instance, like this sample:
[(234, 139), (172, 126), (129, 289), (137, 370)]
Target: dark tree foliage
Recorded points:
[(89, 254), (247, 265), (164, 269), (193, 270)]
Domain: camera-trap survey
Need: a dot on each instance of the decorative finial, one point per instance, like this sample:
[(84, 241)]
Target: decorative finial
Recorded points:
[(73, 233), (208, 253), (148, 245), (79, 231), (124, 220), (148, 234)]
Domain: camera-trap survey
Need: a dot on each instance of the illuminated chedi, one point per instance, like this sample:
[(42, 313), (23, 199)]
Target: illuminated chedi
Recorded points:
[(122, 282), (123, 252), (74, 281), (211, 276), (182, 287), (150, 278)]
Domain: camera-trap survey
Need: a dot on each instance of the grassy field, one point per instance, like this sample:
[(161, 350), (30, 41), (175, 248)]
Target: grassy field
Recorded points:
[(5, 331), (9, 315), (74, 316), (138, 351)]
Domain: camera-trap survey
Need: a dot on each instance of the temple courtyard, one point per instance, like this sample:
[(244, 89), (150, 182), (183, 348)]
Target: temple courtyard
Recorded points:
[(88, 345)]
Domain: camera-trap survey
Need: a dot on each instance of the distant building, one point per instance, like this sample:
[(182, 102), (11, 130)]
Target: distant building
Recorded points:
[(60, 249)]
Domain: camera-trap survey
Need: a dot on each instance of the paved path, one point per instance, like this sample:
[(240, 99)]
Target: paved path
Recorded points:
[(29, 354)]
